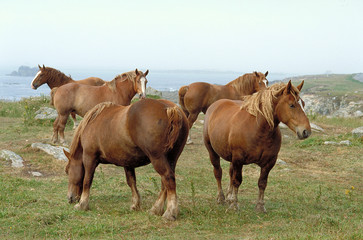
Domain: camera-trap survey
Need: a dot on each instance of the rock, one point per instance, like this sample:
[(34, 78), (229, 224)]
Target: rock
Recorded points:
[(152, 91), (283, 125), (36, 174), (46, 113), (358, 114), (16, 160), (330, 143), (280, 162), (56, 152), (345, 142), (316, 128), (358, 132)]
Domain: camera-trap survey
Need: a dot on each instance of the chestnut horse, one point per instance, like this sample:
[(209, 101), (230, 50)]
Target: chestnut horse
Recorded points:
[(55, 78), (129, 136), (198, 96), (80, 98), (245, 132)]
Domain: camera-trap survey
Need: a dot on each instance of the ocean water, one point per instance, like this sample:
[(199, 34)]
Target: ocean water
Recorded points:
[(14, 88)]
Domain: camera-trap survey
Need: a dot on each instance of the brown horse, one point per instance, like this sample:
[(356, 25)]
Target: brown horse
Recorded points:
[(55, 78), (198, 96), (129, 136), (80, 98), (245, 132)]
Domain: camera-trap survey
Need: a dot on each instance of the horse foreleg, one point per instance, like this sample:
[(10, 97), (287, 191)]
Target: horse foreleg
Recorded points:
[(235, 182), (74, 118), (55, 130), (90, 165), (61, 126), (162, 166), (262, 183), (216, 162), (131, 181), (75, 180)]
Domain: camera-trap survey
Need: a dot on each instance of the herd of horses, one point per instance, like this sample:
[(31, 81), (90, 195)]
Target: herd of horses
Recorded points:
[(240, 126)]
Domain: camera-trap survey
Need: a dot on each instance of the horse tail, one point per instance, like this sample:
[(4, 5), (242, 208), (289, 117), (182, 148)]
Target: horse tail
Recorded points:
[(175, 118), (52, 93), (182, 91)]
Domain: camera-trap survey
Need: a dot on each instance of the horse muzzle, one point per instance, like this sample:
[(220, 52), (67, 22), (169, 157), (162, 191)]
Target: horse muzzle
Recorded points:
[(303, 133), (34, 87), (142, 95)]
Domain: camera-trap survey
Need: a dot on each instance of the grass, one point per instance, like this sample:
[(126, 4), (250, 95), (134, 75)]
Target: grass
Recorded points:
[(317, 195)]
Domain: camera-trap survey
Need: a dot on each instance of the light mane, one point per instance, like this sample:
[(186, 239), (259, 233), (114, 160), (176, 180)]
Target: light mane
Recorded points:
[(262, 102), (89, 117), (244, 84), (131, 75)]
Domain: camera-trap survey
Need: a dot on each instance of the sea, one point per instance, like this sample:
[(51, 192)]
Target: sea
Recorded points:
[(14, 88)]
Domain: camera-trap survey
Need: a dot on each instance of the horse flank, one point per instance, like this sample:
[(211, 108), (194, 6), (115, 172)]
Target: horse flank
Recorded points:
[(90, 115), (243, 84), (262, 101), (175, 118)]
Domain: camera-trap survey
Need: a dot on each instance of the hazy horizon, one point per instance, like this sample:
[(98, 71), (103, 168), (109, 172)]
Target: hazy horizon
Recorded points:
[(307, 37)]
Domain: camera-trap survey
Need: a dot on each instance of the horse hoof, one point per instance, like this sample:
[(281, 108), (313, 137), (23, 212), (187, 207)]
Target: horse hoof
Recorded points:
[(156, 211), (135, 207), (221, 199), (80, 206), (261, 208), (189, 142), (168, 216), (233, 207)]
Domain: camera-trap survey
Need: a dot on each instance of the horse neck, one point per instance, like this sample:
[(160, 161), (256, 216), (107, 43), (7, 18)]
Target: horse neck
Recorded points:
[(125, 91), (57, 80)]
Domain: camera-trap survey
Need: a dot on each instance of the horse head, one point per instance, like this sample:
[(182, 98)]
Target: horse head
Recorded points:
[(39, 78), (261, 81), (140, 83), (290, 110)]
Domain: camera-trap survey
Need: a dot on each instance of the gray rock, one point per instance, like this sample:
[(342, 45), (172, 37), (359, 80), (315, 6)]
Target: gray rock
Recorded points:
[(330, 143), (46, 113), (316, 128), (281, 162), (36, 174), (16, 160), (283, 125), (152, 91), (358, 132), (358, 114), (345, 142), (56, 152)]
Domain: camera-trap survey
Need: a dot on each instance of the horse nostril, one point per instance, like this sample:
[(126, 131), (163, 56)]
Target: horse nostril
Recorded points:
[(305, 134)]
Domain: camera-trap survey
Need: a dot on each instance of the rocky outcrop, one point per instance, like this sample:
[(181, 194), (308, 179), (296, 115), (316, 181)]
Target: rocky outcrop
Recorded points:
[(332, 106), (358, 132), (46, 113)]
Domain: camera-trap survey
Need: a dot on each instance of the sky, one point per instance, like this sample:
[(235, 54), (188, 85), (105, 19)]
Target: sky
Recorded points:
[(285, 36)]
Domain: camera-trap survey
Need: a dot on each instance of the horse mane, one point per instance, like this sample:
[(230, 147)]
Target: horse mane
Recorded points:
[(261, 102), (54, 74), (131, 75), (89, 117), (245, 83)]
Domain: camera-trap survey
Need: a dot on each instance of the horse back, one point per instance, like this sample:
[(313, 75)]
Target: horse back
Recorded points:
[(94, 81)]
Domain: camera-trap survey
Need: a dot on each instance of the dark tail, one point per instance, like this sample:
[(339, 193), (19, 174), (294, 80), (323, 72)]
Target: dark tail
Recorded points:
[(182, 91), (52, 93), (175, 117)]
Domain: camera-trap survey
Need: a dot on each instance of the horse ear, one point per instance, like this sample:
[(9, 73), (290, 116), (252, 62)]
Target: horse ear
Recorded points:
[(137, 72), (300, 85), (43, 66), (147, 71), (266, 74), (68, 155), (39, 66), (288, 88), (256, 73)]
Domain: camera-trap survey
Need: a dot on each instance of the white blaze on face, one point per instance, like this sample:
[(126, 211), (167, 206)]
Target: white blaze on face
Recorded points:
[(301, 105), (265, 82), (34, 79), (143, 85)]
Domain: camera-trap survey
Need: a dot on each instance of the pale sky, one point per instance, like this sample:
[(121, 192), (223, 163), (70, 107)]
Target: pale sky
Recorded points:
[(305, 37)]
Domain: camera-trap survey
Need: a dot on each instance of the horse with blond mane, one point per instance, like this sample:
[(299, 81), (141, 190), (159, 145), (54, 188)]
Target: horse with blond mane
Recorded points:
[(198, 96), (80, 98), (245, 132), (148, 131), (55, 78)]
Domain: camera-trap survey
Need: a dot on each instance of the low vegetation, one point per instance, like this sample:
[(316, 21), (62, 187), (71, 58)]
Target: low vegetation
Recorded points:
[(317, 194)]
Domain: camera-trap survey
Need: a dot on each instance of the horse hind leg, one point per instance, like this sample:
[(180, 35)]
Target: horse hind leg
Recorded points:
[(162, 166), (191, 119), (131, 181), (61, 126), (74, 118), (90, 165), (235, 182), (55, 130)]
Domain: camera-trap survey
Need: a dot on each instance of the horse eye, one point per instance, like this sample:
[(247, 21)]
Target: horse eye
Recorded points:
[(292, 106)]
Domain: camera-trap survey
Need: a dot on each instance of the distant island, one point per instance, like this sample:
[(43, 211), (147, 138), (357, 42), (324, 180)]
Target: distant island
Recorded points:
[(24, 71)]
